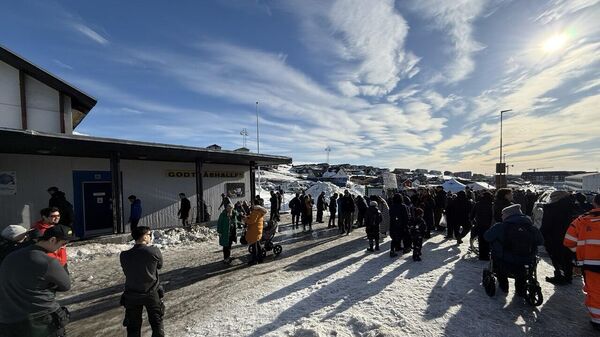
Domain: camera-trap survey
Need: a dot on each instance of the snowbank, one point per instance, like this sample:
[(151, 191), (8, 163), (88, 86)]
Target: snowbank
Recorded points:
[(163, 239)]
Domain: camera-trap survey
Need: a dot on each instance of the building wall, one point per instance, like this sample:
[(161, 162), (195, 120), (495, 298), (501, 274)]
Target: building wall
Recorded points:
[(43, 113), (147, 180), (10, 98), (591, 183), (35, 173)]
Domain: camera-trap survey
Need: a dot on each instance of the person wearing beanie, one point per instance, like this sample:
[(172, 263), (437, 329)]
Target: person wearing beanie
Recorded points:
[(12, 238), (558, 215), (372, 220), (514, 243)]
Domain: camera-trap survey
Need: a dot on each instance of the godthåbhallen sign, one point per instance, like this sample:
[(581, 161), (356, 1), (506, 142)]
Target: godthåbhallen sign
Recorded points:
[(206, 174)]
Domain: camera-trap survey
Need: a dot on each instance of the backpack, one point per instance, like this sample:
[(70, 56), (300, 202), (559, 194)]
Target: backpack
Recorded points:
[(519, 239)]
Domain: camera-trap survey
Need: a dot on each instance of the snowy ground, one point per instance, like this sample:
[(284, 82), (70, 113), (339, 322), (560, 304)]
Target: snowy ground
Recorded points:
[(324, 284)]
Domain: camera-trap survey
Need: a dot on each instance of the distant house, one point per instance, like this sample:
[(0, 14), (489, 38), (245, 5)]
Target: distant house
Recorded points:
[(548, 177), (242, 149), (214, 147), (465, 174), (586, 182)]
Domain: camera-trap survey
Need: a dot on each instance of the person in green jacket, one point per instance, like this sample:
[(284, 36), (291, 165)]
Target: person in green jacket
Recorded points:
[(226, 227)]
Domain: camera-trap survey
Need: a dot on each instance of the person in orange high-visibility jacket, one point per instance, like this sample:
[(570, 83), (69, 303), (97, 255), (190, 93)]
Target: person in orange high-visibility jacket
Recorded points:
[(583, 237)]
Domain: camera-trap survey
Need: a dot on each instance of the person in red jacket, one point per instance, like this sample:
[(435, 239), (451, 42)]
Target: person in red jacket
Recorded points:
[(50, 218), (583, 238)]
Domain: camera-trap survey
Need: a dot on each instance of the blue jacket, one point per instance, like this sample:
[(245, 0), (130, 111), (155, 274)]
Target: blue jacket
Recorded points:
[(495, 235), (136, 210)]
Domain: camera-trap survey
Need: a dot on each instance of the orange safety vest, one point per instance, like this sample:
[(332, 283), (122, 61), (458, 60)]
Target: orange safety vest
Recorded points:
[(583, 237)]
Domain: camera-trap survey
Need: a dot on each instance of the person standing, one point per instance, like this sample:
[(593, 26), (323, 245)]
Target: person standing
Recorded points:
[(226, 227), (461, 209), (135, 213), (384, 227), (58, 200), (504, 199), (295, 209), (254, 230), (184, 210), (558, 215), (346, 210), (332, 210), (417, 229), (140, 265), (586, 229), (308, 210), (483, 216), (29, 280), (279, 196), (224, 201), (50, 218), (361, 207), (440, 206), (398, 225), (428, 207), (372, 220), (321, 205), (274, 202)]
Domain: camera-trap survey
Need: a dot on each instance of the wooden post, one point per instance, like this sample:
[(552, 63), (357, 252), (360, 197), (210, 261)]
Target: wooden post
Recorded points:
[(23, 99), (117, 193), (199, 193), (61, 108)]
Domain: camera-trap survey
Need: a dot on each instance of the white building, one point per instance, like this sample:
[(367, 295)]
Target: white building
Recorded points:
[(38, 150), (585, 182)]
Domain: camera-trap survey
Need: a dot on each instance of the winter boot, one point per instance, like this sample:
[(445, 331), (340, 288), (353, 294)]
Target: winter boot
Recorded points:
[(370, 249), (393, 253)]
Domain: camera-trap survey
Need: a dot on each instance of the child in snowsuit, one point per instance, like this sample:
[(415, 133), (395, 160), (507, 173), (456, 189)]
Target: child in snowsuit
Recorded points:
[(417, 230), (372, 220)]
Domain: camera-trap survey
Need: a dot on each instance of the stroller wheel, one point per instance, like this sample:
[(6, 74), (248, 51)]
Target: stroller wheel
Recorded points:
[(489, 283), (268, 245), (263, 252), (534, 295), (277, 249)]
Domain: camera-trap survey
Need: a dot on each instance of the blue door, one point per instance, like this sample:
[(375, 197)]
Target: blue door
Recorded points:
[(97, 207)]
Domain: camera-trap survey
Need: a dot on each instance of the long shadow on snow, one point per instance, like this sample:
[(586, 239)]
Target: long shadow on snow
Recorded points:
[(108, 298), (357, 287)]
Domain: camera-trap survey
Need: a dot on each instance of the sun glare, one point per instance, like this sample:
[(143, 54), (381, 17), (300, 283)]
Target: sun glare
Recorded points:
[(554, 43)]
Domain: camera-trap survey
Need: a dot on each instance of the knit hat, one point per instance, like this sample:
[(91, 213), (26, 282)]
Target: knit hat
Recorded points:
[(373, 203), (557, 195), (510, 211), (13, 231)]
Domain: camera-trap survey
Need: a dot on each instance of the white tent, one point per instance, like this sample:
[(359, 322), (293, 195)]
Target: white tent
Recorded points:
[(478, 186), (453, 186)]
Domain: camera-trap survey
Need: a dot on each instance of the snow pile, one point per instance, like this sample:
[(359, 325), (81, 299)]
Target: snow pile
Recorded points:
[(178, 236), (329, 189), (163, 239)]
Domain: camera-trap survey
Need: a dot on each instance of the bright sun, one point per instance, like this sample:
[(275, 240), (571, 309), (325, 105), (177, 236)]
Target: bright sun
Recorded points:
[(554, 43)]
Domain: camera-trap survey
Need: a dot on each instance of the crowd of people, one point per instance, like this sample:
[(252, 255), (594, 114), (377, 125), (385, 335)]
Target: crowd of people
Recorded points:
[(34, 266)]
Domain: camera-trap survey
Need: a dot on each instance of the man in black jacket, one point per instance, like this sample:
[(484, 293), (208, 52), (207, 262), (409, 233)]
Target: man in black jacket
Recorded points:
[(29, 280), (58, 200), (321, 205), (295, 208), (440, 206), (347, 208), (142, 286), (332, 210), (184, 210)]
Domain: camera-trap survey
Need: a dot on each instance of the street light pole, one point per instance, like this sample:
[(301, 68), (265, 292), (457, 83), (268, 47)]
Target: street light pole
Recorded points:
[(501, 112), (257, 134)]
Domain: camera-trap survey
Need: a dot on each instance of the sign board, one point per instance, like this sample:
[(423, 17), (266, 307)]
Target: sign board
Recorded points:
[(389, 181), (8, 182), (205, 174), (235, 190), (500, 167)]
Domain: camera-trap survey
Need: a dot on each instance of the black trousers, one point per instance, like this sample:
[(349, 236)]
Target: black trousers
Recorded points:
[(453, 230), (133, 315), (376, 241), (484, 246), (562, 260), (331, 222), (347, 222), (295, 219), (134, 224), (417, 244), (360, 218), (49, 325), (504, 270), (319, 215), (256, 253), (438, 211)]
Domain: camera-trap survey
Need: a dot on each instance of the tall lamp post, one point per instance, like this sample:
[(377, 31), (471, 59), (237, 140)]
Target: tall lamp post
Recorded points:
[(257, 134), (501, 113)]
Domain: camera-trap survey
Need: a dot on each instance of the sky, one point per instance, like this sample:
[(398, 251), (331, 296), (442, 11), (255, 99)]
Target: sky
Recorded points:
[(398, 84)]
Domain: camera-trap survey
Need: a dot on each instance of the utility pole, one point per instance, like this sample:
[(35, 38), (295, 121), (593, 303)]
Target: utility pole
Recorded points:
[(501, 113), (257, 133), (328, 149), (244, 134)]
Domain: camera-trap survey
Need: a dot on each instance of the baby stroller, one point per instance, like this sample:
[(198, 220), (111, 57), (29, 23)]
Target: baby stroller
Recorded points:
[(533, 291), (266, 242)]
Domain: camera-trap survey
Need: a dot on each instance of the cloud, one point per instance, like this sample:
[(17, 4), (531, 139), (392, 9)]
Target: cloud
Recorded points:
[(62, 65), (457, 19), (558, 9), (90, 33), (364, 41)]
